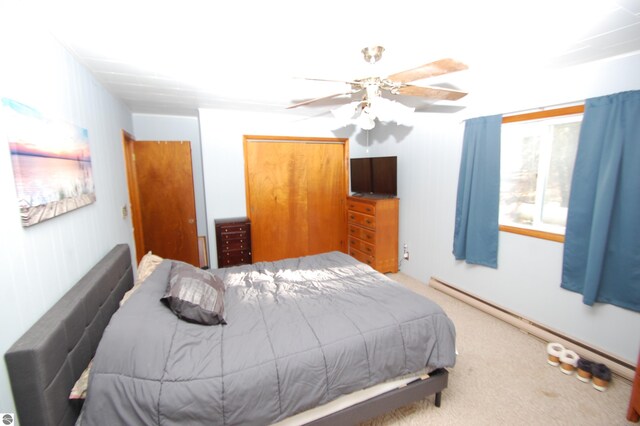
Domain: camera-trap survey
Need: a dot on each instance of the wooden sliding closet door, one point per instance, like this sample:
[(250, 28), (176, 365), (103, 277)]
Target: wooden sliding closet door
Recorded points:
[(296, 190)]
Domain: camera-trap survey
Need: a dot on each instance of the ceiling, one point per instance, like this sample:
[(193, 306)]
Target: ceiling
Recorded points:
[(176, 57)]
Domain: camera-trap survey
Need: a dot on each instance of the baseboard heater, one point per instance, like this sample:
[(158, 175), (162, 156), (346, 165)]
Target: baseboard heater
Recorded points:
[(618, 366)]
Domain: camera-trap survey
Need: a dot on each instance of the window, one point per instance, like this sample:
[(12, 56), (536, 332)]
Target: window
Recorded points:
[(538, 151)]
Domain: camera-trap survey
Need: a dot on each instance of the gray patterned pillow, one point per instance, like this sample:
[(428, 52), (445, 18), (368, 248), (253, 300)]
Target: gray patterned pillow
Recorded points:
[(195, 295)]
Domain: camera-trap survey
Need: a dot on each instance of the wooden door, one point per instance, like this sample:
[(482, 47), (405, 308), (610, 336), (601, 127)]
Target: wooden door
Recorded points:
[(163, 177), (326, 197), (296, 190)]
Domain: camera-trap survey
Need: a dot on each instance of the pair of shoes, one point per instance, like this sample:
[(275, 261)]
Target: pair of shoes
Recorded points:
[(598, 373), (558, 355), (601, 376)]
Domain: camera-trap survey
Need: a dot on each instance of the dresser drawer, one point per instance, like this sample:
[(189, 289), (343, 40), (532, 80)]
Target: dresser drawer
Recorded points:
[(236, 235), (233, 254), (234, 259), (362, 257), (361, 207), (237, 227), (360, 245), (362, 219), (362, 233), (235, 245)]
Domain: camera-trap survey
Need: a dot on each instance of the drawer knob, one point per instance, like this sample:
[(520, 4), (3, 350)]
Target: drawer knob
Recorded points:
[(368, 221), (368, 209), (352, 217)]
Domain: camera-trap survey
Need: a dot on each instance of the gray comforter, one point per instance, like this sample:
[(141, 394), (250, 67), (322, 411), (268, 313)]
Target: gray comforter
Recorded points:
[(300, 333)]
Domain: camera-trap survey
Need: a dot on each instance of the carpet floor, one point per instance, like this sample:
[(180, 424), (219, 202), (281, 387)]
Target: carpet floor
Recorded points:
[(501, 376)]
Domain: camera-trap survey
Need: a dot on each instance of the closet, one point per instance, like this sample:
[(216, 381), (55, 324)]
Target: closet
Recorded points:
[(295, 192)]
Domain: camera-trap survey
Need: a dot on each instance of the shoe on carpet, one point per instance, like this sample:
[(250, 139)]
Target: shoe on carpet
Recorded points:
[(601, 376), (568, 361), (554, 350), (584, 370)]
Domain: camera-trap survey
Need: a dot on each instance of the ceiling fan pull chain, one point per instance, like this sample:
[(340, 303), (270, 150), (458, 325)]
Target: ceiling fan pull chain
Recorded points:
[(367, 141)]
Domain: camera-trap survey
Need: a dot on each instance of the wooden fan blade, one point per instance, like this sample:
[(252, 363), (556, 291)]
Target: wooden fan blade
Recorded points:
[(330, 81), (440, 109), (335, 95), (432, 92), (443, 66)]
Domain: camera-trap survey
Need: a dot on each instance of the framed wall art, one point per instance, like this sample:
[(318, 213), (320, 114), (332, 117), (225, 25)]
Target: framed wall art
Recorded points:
[(51, 163)]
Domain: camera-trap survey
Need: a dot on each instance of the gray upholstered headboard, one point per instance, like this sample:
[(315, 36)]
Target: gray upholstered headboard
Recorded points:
[(47, 360)]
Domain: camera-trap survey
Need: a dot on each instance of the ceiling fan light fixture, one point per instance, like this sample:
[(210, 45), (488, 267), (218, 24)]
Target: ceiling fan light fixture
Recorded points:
[(346, 113), (382, 109), (372, 54), (366, 120), (364, 113), (387, 110)]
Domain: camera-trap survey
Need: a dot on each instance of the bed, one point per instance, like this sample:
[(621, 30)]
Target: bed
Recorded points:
[(152, 367)]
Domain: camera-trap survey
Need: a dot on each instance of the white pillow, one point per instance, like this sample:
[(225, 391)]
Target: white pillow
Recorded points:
[(148, 264)]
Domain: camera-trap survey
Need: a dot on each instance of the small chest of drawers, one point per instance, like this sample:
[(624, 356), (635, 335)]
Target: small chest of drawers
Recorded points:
[(373, 231), (233, 241)]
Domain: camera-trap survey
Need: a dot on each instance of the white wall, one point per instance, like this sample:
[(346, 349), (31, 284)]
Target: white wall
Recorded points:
[(527, 280), (40, 263), (177, 128)]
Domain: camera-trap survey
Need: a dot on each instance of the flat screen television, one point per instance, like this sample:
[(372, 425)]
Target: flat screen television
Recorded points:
[(374, 175)]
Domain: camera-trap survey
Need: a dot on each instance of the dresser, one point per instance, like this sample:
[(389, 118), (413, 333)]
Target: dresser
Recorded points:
[(233, 241), (373, 231)]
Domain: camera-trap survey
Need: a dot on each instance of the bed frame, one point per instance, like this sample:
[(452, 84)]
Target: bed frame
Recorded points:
[(46, 361)]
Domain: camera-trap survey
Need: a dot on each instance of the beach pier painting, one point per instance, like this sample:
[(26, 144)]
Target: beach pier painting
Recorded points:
[(51, 163)]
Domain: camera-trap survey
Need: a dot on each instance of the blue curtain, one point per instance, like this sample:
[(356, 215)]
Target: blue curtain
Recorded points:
[(602, 241), (475, 237)]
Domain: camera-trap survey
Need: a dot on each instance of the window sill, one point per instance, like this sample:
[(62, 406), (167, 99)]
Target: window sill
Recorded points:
[(533, 233)]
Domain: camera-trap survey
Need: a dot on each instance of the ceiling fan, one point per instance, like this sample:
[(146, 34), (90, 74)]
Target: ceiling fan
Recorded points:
[(373, 105)]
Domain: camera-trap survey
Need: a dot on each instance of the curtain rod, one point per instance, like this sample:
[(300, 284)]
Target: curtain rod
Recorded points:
[(543, 108)]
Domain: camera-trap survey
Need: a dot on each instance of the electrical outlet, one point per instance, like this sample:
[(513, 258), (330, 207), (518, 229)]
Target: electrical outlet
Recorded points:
[(405, 254), (124, 211)]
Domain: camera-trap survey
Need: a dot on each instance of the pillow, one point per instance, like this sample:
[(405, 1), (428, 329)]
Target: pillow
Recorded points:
[(79, 390), (147, 265), (195, 295)]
